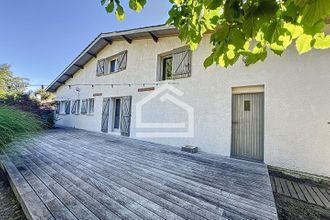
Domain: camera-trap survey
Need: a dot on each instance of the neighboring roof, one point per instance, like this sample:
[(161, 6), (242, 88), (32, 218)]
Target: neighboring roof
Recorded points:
[(102, 40)]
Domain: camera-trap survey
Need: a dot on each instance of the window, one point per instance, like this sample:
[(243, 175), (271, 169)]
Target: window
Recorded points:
[(167, 68), (75, 107), (87, 106), (90, 106), (63, 108), (83, 110), (112, 64), (175, 64), (247, 105)]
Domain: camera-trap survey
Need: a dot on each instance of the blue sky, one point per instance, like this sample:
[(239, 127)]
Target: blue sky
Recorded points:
[(39, 38)]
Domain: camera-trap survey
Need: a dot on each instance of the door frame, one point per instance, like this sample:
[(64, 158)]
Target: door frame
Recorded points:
[(250, 89), (112, 115)]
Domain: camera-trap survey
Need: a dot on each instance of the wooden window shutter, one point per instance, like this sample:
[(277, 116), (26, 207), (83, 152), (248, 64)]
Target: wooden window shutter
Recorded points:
[(125, 116), (181, 64), (122, 60), (74, 105), (100, 70), (105, 115), (67, 107), (57, 107), (78, 107)]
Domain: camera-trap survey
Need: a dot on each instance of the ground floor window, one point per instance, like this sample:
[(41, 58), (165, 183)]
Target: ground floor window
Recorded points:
[(87, 106), (63, 107), (90, 105), (75, 107)]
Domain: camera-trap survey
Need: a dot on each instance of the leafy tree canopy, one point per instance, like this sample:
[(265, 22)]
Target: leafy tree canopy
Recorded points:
[(244, 28), (10, 84), (44, 95)]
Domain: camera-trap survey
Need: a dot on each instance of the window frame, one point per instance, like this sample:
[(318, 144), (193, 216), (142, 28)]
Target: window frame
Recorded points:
[(107, 64), (113, 129), (88, 109), (89, 112), (83, 112), (163, 73), (160, 63)]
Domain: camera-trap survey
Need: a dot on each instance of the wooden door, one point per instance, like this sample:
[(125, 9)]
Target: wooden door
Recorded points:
[(248, 126)]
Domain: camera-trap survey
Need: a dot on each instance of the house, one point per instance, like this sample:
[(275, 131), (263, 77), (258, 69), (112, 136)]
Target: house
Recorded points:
[(276, 111)]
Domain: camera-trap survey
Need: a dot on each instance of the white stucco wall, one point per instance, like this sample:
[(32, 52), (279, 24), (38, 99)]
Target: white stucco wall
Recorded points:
[(297, 101)]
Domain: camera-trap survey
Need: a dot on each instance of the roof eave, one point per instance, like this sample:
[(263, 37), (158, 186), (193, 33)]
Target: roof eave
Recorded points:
[(107, 38)]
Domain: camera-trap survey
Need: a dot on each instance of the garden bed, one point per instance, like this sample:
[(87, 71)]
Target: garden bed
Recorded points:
[(9, 206)]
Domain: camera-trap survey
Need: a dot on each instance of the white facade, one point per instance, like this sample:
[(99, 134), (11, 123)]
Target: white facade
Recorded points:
[(296, 94)]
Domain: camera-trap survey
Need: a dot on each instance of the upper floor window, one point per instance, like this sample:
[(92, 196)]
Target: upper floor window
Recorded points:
[(112, 64), (175, 64)]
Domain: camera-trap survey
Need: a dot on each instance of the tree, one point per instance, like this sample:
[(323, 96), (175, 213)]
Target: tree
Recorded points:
[(10, 84), (244, 28), (44, 95)]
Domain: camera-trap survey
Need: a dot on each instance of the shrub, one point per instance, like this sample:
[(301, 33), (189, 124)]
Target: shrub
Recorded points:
[(14, 122), (49, 119)]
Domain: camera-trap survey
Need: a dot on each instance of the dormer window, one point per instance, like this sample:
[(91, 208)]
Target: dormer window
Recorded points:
[(112, 64)]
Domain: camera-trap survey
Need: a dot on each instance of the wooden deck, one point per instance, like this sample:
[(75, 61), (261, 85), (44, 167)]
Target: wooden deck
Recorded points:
[(302, 191), (75, 174)]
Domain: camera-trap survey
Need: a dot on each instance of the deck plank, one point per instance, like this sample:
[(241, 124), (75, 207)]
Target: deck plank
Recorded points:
[(92, 175), (285, 187), (306, 193), (278, 185), (291, 189), (314, 195), (55, 206), (321, 196), (299, 192)]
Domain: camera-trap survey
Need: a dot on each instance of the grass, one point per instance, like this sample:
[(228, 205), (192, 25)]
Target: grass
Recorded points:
[(14, 123)]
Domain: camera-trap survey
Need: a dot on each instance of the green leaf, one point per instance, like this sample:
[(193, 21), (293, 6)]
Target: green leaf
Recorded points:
[(110, 7), (304, 43), (295, 30), (208, 61), (137, 5), (231, 10), (120, 13), (322, 41), (314, 11), (213, 4), (103, 2)]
